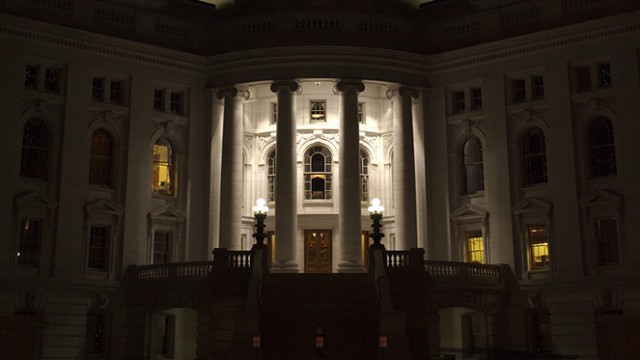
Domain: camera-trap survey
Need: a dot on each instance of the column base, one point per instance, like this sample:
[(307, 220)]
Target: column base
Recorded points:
[(351, 267), (284, 267)]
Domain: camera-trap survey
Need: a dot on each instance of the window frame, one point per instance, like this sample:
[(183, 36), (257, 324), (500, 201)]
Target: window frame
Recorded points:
[(530, 158), (102, 162), (472, 236), (42, 163), (601, 152), (157, 186), (531, 253), (309, 174), (469, 164), (318, 110), (365, 164)]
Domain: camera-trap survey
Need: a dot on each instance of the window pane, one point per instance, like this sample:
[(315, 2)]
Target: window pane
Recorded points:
[(538, 247), (31, 76), (34, 149), (602, 148), (97, 89), (473, 168), (475, 246), (101, 159), (538, 87), (607, 241), (162, 167), (583, 78), (318, 110), (116, 92), (519, 90), (604, 75), (317, 175), (158, 100), (458, 102), (161, 247), (271, 177), (52, 79), (535, 157), (98, 247)]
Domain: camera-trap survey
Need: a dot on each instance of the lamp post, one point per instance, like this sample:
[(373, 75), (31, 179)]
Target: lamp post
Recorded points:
[(260, 214), (375, 211)]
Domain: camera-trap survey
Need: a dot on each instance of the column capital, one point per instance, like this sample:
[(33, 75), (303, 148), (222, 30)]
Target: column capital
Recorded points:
[(403, 91), (233, 91), (290, 85), (346, 84)]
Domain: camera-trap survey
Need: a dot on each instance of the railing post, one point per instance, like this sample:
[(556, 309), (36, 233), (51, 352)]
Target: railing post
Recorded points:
[(416, 259), (220, 259)]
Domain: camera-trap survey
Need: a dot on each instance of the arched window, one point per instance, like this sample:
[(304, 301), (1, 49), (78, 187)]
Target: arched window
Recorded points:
[(35, 146), (101, 159), (317, 173), (162, 167), (602, 152), (364, 175), (473, 169), (535, 156), (271, 176)]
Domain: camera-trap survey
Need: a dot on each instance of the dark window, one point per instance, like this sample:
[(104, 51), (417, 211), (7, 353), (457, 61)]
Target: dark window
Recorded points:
[(98, 247), (607, 241), (115, 94), (476, 98), (271, 176), (458, 102), (604, 75), (518, 89), (158, 100), (473, 168), (318, 110), (602, 152), (52, 79), (31, 77), (317, 174), (101, 159), (583, 78), (538, 87), (535, 157), (364, 176), (176, 105), (161, 241), (29, 246), (97, 89), (33, 162)]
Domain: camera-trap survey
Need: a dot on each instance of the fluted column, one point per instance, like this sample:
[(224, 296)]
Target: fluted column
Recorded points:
[(231, 196), (349, 227), (404, 173), (286, 180)]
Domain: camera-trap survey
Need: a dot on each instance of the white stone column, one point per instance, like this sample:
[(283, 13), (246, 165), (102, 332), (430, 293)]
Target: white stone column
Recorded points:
[(349, 205), (231, 195), (286, 180), (404, 173)]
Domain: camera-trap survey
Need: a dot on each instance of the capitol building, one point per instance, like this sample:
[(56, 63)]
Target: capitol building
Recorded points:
[(496, 140)]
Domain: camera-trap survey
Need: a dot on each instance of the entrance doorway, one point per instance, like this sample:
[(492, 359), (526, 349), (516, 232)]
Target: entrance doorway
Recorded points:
[(317, 254)]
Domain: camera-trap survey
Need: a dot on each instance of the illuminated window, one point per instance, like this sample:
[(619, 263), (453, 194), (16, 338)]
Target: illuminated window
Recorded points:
[(607, 241), (458, 102), (162, 167), (101, 159), (473, 167), (271, 176), (535, 157), (538, 86), (364, 176), (518, 89), (604, 75), (97, 89), (52, 79), (161, 242), (317, 174), (318, 110), (583, 78), (34, 158), (602, 152), (274, 113), (31, 77), (538, 247), (98, 247), (475, 246), (29, 245)]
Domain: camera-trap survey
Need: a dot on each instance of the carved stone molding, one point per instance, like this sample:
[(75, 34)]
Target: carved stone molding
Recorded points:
[(603, 106), (41, 107)]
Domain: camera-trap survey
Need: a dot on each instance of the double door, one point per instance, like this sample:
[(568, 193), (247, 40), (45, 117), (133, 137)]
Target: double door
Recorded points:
[(317, 253)]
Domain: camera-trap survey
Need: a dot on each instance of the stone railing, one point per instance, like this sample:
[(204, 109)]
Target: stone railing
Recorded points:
[(232, 260), (173, 271)]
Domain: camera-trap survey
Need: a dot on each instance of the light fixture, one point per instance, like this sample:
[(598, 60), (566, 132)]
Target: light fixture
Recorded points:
[(260, 211), (375, 211), (260, 207), (376, 207)]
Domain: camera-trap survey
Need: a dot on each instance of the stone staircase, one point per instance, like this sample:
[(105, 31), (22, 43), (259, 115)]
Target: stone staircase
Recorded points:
[(296, 307)]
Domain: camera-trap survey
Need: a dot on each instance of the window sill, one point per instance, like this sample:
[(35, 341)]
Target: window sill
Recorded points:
[(318, 202)]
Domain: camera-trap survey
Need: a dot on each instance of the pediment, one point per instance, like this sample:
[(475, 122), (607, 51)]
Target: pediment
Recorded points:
[(532, 205), (601, 198), (35, 199), (469, 212), (167, 213), (104, 206)]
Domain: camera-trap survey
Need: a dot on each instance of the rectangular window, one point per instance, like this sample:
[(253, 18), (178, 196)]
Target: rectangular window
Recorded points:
[(29, 245), (538, 247), (607, 241), (476, 98), (318, 110), (158, 100), (31, 77), (604, 75), (518, 90), (176, 103), (98, 248), (115, 94), (97, 89), (52, 79), (161, 241), (274, 113), (583, 78), (458, 102), (475, 246), (361, 113), (538, 87)]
